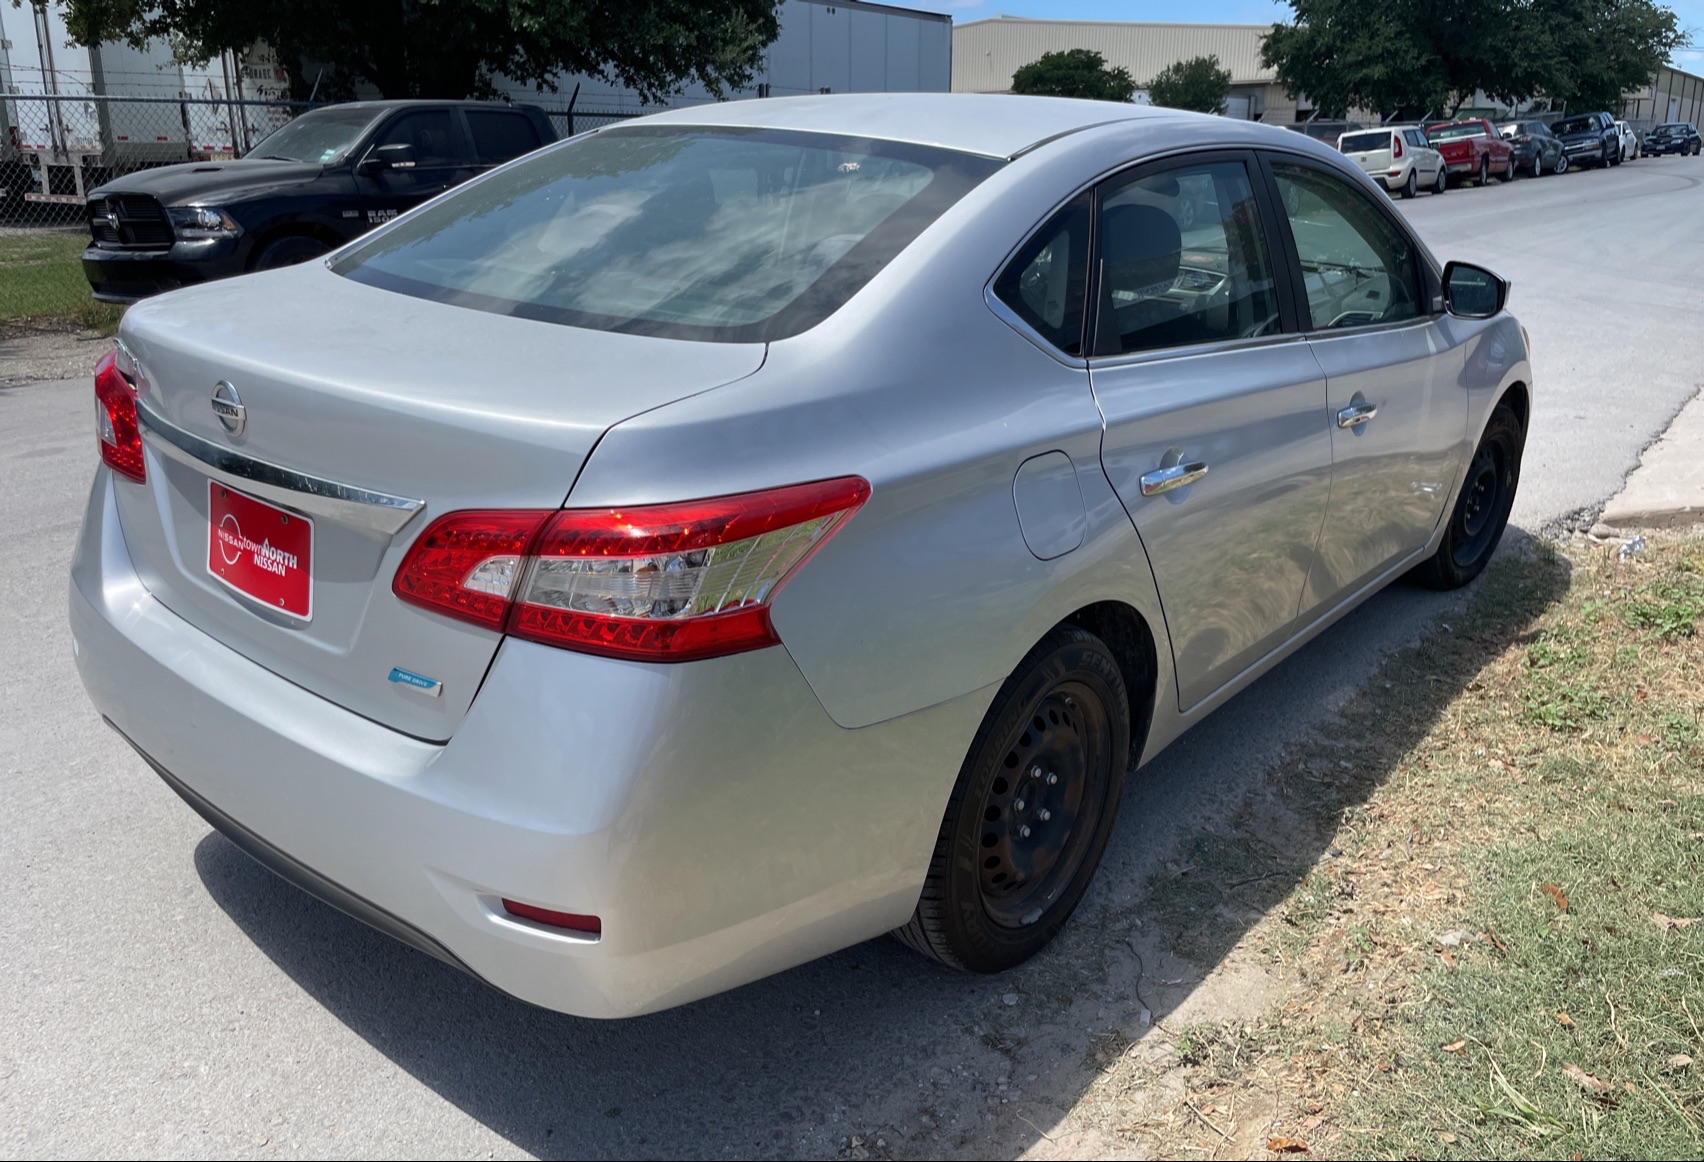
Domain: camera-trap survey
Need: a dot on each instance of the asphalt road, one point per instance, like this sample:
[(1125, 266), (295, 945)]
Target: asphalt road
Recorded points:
[(161, 995)]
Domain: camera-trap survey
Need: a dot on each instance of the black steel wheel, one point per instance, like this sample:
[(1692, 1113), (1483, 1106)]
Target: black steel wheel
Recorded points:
[(1032, 809), (288, 251), (1482, 508)]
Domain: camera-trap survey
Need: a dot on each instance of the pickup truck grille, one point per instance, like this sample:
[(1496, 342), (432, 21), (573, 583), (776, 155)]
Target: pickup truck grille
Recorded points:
[(129, 222)]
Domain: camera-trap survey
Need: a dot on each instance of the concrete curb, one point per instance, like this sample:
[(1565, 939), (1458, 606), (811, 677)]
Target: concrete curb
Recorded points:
[(1667, 489)]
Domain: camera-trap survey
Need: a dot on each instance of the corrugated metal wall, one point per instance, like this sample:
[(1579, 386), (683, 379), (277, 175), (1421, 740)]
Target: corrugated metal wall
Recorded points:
[(987, 52)]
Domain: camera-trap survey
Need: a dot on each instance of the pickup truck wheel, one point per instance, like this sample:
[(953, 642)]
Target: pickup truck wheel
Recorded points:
[(1482, 510), (1484, 172), (1030, 816), (288, 251)]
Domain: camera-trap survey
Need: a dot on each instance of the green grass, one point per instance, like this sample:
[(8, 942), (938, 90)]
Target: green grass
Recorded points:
[(41, 278)]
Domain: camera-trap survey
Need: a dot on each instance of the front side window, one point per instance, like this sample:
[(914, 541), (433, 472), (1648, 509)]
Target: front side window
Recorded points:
[(722, 234), (1358, 267), (1045, 281), (430, 132), (1182, 260)]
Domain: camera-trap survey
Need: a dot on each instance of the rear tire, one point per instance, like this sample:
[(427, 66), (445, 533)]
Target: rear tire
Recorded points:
[(1443, 181), (1032, 809), (289, 251), (1482, 509), (1484, 172), (1412, 185)]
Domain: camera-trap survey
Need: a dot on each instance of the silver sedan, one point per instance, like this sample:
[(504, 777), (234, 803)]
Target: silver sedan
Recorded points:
[(725, 537)]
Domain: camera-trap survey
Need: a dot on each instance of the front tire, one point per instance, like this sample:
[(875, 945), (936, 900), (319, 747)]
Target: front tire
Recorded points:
[(288, 251), (1482, 509), (1561, 162), (1032, 809)]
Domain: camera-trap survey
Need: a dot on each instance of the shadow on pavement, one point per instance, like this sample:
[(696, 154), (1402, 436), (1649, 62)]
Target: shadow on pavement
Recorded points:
[(874, 1043)]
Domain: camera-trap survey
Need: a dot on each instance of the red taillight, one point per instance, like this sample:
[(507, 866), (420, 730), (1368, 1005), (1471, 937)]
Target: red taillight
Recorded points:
[(1396, 144), (660, 583), (115, 420), (590, 925)]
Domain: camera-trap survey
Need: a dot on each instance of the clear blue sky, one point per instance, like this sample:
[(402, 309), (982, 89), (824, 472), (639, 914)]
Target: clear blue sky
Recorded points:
[(1691, 13)]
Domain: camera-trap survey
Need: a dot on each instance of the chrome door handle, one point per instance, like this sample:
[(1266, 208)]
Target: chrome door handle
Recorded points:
[(1177, 476), (1356, 415)]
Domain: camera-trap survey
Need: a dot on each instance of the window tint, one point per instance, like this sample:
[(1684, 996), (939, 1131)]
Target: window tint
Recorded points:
[(1182, 260), (1044, 283), (1358, 267), (431, 134), (730, 235), (1416, 138), (1364, 142), (499, 136)]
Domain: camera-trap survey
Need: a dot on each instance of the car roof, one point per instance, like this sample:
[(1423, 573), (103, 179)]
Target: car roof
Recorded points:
[(377, 107), (992, 124)]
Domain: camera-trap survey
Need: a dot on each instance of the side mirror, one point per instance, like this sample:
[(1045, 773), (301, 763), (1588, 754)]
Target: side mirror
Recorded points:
[(397, 156), (1472, 292)]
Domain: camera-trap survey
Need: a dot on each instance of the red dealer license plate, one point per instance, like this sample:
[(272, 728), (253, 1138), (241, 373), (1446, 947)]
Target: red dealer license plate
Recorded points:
[(261, 551)]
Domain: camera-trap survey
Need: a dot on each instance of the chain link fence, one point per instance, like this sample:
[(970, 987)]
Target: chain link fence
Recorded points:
[(55, 149)]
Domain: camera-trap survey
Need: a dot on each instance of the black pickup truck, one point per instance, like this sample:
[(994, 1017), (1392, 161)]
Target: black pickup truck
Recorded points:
[(319, 181)]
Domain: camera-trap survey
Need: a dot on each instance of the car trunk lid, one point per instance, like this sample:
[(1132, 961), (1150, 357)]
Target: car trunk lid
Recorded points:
[(366, 413)]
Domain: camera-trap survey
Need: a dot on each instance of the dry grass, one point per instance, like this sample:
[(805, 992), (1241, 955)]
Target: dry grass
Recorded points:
[(1495, 956)]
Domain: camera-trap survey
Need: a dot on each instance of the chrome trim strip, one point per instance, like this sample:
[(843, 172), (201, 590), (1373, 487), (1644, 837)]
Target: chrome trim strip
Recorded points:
[(377, 512)]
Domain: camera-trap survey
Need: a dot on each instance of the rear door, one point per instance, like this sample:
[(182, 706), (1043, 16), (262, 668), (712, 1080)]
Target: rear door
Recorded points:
[(1215, 435), (500, 135), (1397, 413)]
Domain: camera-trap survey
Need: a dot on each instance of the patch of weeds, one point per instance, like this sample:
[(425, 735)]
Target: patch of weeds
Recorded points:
[(1680, 727), (1562, 702), (1669, 607)]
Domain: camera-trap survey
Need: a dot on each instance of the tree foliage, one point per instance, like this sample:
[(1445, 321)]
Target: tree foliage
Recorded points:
[(453, 48), (1078, 72), (1197, 83), (1414, 58)]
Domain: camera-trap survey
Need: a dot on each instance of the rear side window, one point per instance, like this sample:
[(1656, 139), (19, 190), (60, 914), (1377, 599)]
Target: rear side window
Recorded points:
[(1045, 282), (1415, 138), (1182, 260), (431, 134), (499, 136), (721, 234), (1358, 267)]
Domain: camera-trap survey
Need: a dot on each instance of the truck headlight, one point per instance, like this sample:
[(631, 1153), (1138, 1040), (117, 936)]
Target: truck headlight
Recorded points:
[(193, 222)]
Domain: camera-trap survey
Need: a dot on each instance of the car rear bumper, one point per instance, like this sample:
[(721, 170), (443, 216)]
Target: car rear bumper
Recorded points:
[(714, 817), (126, 276)]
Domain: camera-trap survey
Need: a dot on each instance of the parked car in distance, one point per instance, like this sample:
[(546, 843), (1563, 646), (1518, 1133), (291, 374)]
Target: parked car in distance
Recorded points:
[(1472, 150), (1673, 137), (1628, 138), (1326, 131), (1536, 148), (1398, 157), (541, 582), (320, 180), (1589, 139)]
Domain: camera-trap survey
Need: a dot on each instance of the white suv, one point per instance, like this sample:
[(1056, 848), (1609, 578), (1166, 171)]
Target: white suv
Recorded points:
[(1398, 156)]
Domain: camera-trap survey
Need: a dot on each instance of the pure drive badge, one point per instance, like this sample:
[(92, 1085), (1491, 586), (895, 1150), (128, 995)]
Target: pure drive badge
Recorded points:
[(430, 687)]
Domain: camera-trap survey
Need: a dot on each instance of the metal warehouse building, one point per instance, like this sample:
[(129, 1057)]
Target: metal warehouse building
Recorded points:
[(1672, 96), (987, 52), (825, 46)]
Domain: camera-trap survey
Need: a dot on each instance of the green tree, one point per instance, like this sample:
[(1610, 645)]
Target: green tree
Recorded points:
[(1198, 83), (1413, 58), (1078, 72), (453, 48)]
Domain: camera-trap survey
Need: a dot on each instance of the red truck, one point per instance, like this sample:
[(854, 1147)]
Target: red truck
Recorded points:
[(1472, 149)]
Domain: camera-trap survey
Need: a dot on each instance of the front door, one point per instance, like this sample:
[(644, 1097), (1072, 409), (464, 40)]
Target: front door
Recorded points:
[(441, 160), (1215, 435), (1396, 407)]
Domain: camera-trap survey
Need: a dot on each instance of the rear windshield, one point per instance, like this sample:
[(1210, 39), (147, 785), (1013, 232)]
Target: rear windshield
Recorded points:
[(1576, 125), (1365, 142), (731, 235), (1455, 132)]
